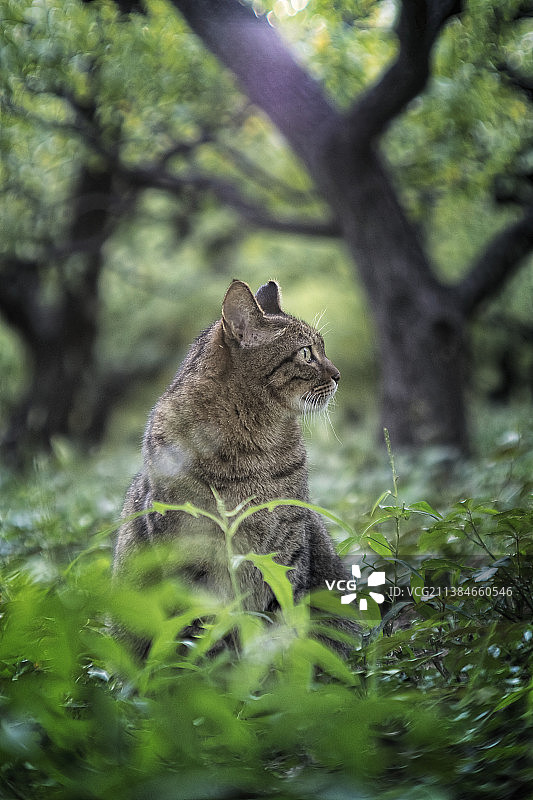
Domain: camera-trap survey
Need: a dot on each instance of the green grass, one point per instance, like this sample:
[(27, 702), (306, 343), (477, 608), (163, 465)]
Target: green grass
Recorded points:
[(435, 700)]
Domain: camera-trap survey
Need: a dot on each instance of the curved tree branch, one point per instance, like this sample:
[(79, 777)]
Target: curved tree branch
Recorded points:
[(262, 177), (155, 177), (496, 265), (418, 26)]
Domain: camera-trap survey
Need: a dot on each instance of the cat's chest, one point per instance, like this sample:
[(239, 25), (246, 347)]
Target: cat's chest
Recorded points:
[(188, 467), (282, 475)]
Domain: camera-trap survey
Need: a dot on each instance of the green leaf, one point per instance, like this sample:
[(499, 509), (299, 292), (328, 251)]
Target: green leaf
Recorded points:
[(317, 653), (513, 697), (187, 508), (380, 499), (397, 512), (379, 544), (378, 521), (425, 508), (344, 547), (162, 508), (276, 576), (417, 586)]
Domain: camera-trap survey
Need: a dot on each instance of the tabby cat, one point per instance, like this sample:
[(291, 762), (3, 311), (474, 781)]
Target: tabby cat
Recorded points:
[(229, 422)]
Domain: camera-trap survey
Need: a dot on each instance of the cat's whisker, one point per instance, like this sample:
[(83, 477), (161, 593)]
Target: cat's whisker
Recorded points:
[(322, 329), (318, 319), (329, 421), (313, 404)]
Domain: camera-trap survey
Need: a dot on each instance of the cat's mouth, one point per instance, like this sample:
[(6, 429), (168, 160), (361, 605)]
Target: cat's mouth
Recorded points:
[(317, 399)]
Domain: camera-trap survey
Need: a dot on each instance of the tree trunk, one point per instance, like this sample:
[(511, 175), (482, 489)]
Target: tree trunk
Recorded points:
[(419, 324), (61, 362), (422, 357), (59, 336)]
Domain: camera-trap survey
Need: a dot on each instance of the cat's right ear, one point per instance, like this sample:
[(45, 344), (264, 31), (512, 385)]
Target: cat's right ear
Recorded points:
[(269, 298), (241, 315)]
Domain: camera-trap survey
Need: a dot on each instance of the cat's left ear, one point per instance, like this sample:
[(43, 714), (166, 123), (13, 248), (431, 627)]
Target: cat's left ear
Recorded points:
[(242, 316), (269, 298)]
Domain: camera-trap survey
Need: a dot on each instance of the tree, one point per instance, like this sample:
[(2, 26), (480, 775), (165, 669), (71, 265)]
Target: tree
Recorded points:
[(53, 240), (89, 128), (421, 321), (117, 104)]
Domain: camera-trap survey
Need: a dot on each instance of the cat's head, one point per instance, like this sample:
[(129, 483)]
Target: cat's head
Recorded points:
[(283, 356)]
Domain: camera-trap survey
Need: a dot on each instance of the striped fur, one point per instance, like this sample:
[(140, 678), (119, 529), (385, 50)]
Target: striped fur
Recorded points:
[(229, 421)]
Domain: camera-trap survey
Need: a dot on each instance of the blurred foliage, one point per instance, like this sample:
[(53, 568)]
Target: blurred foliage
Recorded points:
[(435, 699)]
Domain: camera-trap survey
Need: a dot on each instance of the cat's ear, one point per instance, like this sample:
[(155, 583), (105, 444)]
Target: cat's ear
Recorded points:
[(269, 298), (241, 314)]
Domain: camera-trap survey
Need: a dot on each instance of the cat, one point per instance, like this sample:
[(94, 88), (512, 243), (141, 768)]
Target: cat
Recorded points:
[(229, 422)]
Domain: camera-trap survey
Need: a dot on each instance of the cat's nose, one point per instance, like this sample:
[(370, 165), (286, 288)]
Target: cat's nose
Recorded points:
[(333, 371)]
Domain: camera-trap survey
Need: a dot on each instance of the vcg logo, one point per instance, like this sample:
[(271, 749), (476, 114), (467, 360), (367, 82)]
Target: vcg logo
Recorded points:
[(374, 579)]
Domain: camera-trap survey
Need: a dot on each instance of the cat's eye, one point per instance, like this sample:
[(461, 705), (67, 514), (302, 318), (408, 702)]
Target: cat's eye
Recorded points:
[(306, 354)]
